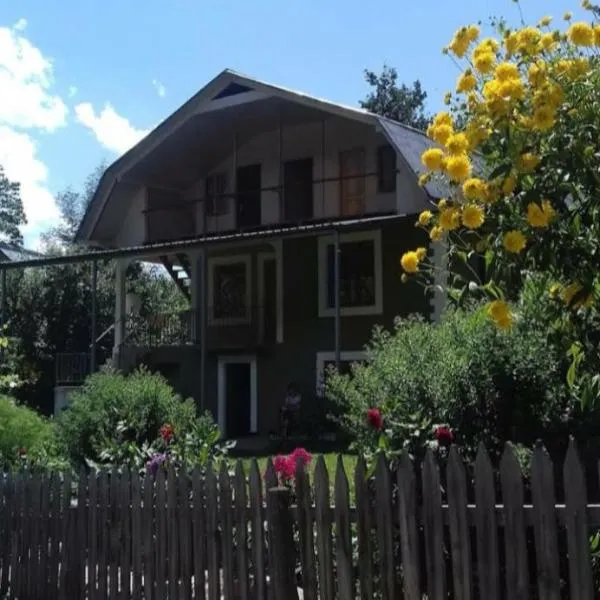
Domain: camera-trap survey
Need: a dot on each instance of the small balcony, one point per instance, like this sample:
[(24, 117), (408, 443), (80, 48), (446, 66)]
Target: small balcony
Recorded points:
[(184, 329)]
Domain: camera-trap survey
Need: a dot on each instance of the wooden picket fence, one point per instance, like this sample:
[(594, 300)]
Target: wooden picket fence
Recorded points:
[(409, 533)]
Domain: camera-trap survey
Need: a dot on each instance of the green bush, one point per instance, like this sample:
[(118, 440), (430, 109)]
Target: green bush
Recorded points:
[(26, 438), (485, 385), (114, 417)]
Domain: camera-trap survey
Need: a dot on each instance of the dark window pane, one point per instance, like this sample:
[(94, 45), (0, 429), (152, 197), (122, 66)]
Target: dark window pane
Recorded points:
[(357, 274), (386, 169), (229, 298), (214, 192)]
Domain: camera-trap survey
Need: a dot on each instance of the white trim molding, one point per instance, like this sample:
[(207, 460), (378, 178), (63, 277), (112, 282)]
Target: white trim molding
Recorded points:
[(222, 362), (216, 261), (326, 357), (373, 235)]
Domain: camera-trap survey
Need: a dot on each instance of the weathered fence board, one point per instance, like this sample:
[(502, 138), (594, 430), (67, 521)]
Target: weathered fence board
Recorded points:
[(118, 535)]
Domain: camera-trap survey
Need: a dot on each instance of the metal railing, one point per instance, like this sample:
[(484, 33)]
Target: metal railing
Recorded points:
[(188, 218), (72, 367), (222, 331)]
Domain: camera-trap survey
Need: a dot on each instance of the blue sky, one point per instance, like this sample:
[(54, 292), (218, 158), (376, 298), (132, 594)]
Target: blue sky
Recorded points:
[(81, 81)]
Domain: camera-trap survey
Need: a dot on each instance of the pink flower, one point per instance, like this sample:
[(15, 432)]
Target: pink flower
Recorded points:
[(444, 435), (301, 455), (285, 467), (374, 419)]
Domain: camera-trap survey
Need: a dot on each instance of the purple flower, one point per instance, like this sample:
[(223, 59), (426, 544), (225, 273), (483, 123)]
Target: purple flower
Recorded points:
[(155, 462)]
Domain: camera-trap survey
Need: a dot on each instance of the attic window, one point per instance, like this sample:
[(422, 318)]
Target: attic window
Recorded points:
[(231, 90), (386, 169)]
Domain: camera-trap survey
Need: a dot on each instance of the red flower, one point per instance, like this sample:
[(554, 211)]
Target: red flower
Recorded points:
[(285, 467), (301, 455), (444, 435), (375, 419), (166, 432)]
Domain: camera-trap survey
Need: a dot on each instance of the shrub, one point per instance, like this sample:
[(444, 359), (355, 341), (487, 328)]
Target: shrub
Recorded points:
[(26, 438), (463, 374), (115, 417)]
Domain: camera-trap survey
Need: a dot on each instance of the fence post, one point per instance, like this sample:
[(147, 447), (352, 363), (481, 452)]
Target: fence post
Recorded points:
[(281, 536)]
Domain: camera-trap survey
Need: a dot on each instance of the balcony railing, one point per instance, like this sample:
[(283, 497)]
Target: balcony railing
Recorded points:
[(186, 218), (184, 328), (72, 368)]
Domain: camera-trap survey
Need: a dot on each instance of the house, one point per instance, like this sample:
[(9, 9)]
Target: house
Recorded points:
[(282, 218), (12, 253)]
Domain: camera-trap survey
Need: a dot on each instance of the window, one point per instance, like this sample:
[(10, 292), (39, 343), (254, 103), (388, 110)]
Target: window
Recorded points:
[(216, 202), (325, 360), (360, 274), (386, 169), (352, 181), (229, 289)]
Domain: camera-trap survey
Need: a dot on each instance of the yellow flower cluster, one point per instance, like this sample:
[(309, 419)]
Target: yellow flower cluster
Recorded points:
[(513, 93), (410, 260)]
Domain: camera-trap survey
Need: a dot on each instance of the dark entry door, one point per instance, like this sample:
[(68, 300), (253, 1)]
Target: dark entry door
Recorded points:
[(248, 184), (238, 396), (298, 189)]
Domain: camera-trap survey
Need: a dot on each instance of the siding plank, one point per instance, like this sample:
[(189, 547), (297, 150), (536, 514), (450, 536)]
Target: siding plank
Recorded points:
[(212, 537), (306, 533), (241, 528), (172, 531), (199, 539), (185, 564), (160, 552), (226, 518), (409, 537), (136, 536), (433, 529), (364, 527), (323, 525), (258, 531), (580, 568), (149, 548), (103, 524), (343, 542), (544, 525), (515, 543)]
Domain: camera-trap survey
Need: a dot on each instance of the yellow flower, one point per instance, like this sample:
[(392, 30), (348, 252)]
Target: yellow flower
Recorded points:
[(539, 216), (442, 118), (410, 262), (460, 43), (457, 143), (581, 34), (472, 216), (474, 189), (484, 62), (472, 33), (433, 159), (436, 233), (486, 46), (511, 89), (421, 253), (442, 204), (514, 241), (547, 42), (528, 39), (466, 82), (458, 167), (568, 16), (506, 70), (543, 118), (545, 21), (450, 219), (536, 73), (509, 185), (424, 179), (528, 162), (596, 35), (425, 217), (441, 133), (499, 312), (571, 291), (510, 43)]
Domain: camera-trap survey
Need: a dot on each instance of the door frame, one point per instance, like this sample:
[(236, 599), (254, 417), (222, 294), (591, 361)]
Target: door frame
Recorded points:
[(222, 362)]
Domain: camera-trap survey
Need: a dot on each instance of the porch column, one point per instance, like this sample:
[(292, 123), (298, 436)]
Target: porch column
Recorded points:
[(338, 312), (120, 316), (199, 313), (93, 324)]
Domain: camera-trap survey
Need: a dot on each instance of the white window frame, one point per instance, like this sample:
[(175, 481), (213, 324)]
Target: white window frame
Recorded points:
[(373, 235), (222, 363), (217, 261), (325, 357)]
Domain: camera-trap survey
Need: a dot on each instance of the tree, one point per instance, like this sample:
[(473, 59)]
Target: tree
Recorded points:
[(399, 102), (12, 215), (529, 104)]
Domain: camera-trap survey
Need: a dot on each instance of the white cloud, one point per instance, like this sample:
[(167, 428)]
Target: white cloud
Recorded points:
[(27, 106), (161, 90), (111, 129)]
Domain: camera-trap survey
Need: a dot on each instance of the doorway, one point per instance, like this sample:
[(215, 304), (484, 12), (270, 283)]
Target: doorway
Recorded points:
[(237, 409), (248, 190), (298, 189)]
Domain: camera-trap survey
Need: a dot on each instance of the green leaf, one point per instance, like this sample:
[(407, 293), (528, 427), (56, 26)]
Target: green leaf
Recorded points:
[(500, 170)]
